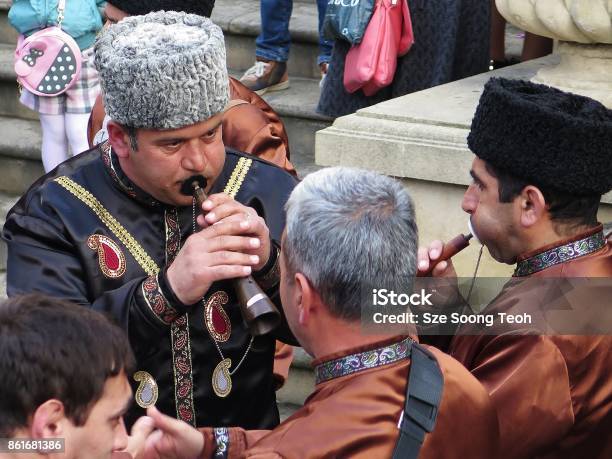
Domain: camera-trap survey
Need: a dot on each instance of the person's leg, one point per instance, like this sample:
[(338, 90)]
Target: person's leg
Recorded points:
[(76, 131), (497, 43), (273, 42), (325, 46), (54, 146), (536, 46), (271, 49)]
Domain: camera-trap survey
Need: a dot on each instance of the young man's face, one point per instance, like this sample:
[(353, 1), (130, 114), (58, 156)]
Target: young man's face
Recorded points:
[(494, 222), (104, 430), (166, 158)]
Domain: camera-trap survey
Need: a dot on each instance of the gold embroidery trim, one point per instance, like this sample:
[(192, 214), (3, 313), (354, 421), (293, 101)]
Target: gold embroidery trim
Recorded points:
[(137, 251), (146, 381), (182, 324), (238, 175)]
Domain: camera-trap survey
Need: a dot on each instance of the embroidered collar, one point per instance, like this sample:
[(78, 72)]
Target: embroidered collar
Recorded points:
[(111, 162), (567, 251), (361, 361)]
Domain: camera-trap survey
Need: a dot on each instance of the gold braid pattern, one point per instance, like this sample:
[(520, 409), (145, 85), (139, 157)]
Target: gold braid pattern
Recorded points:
[(238, 174), (135, 249)]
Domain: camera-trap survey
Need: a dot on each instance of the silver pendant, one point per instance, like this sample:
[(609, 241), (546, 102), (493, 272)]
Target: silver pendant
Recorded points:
[(221, 378)]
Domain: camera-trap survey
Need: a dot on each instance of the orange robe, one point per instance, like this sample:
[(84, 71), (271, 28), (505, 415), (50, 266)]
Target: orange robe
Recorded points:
[(356, 416), (553, 394), (252, 128), (283, 356)]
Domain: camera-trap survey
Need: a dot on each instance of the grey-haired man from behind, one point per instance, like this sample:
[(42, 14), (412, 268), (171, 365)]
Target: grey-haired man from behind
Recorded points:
[(349, 229)]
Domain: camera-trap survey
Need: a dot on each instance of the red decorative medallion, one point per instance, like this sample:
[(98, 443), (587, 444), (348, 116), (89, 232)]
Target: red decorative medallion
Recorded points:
[(215, 317), (110, 256)]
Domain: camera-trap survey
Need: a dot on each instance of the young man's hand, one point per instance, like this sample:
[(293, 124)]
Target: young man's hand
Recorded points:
[(141, 429), (172, 439)]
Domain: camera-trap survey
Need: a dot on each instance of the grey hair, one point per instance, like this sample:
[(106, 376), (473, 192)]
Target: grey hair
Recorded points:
[(349, 230)]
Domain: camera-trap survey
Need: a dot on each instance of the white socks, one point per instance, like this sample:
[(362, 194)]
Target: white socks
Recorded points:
[(60, 131), (54, 143), (76, 131)]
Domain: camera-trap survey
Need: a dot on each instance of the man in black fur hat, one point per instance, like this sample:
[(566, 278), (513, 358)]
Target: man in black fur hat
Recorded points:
[(543, 161)]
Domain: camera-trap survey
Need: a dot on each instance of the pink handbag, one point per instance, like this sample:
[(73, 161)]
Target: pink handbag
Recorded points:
[(371, 65), (48, 62)]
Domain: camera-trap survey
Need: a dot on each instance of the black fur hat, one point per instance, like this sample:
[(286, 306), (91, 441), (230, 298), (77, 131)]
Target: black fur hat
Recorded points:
[(138, 7), (545, 136)]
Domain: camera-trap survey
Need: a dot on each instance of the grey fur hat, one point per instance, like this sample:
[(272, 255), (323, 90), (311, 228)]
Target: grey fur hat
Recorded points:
[(164, 70)]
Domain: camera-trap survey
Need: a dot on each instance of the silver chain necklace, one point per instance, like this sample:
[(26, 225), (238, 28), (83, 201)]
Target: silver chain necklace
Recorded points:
[(221, 379)]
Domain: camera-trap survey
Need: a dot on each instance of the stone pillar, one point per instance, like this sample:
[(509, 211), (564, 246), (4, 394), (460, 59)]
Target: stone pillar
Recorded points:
[(584, 31)]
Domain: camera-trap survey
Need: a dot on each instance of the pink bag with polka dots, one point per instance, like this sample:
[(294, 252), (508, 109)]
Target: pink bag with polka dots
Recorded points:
[(48, 62)]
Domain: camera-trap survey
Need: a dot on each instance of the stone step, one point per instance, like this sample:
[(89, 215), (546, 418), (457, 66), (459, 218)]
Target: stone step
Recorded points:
[(2, 285), (6, 202), (7, 33), (300, 382), (9, 92), (19, 154), (296, 107), (285, 409)]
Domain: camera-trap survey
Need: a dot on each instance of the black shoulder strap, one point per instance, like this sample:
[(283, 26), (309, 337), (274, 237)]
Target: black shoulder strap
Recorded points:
[(423, 395)]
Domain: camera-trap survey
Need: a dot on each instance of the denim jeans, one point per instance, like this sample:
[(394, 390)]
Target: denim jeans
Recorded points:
[(274, 40)]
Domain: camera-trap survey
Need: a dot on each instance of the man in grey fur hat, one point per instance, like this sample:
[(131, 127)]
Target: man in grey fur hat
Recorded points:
[(111, 230)]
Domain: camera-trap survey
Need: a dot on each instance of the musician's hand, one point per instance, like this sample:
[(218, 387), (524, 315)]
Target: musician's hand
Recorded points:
[(221, 208), (172, 439), (427, 255), (141, 429), (445, 290), (220, 251)]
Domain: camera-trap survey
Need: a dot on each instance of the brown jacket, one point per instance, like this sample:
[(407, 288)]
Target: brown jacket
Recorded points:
[(553, 394), (252, 128), (356, 416)]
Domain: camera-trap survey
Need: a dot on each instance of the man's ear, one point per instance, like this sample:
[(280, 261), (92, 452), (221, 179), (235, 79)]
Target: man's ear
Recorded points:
[(532, 206), (48, 420), (306, 298), (119, 139)]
